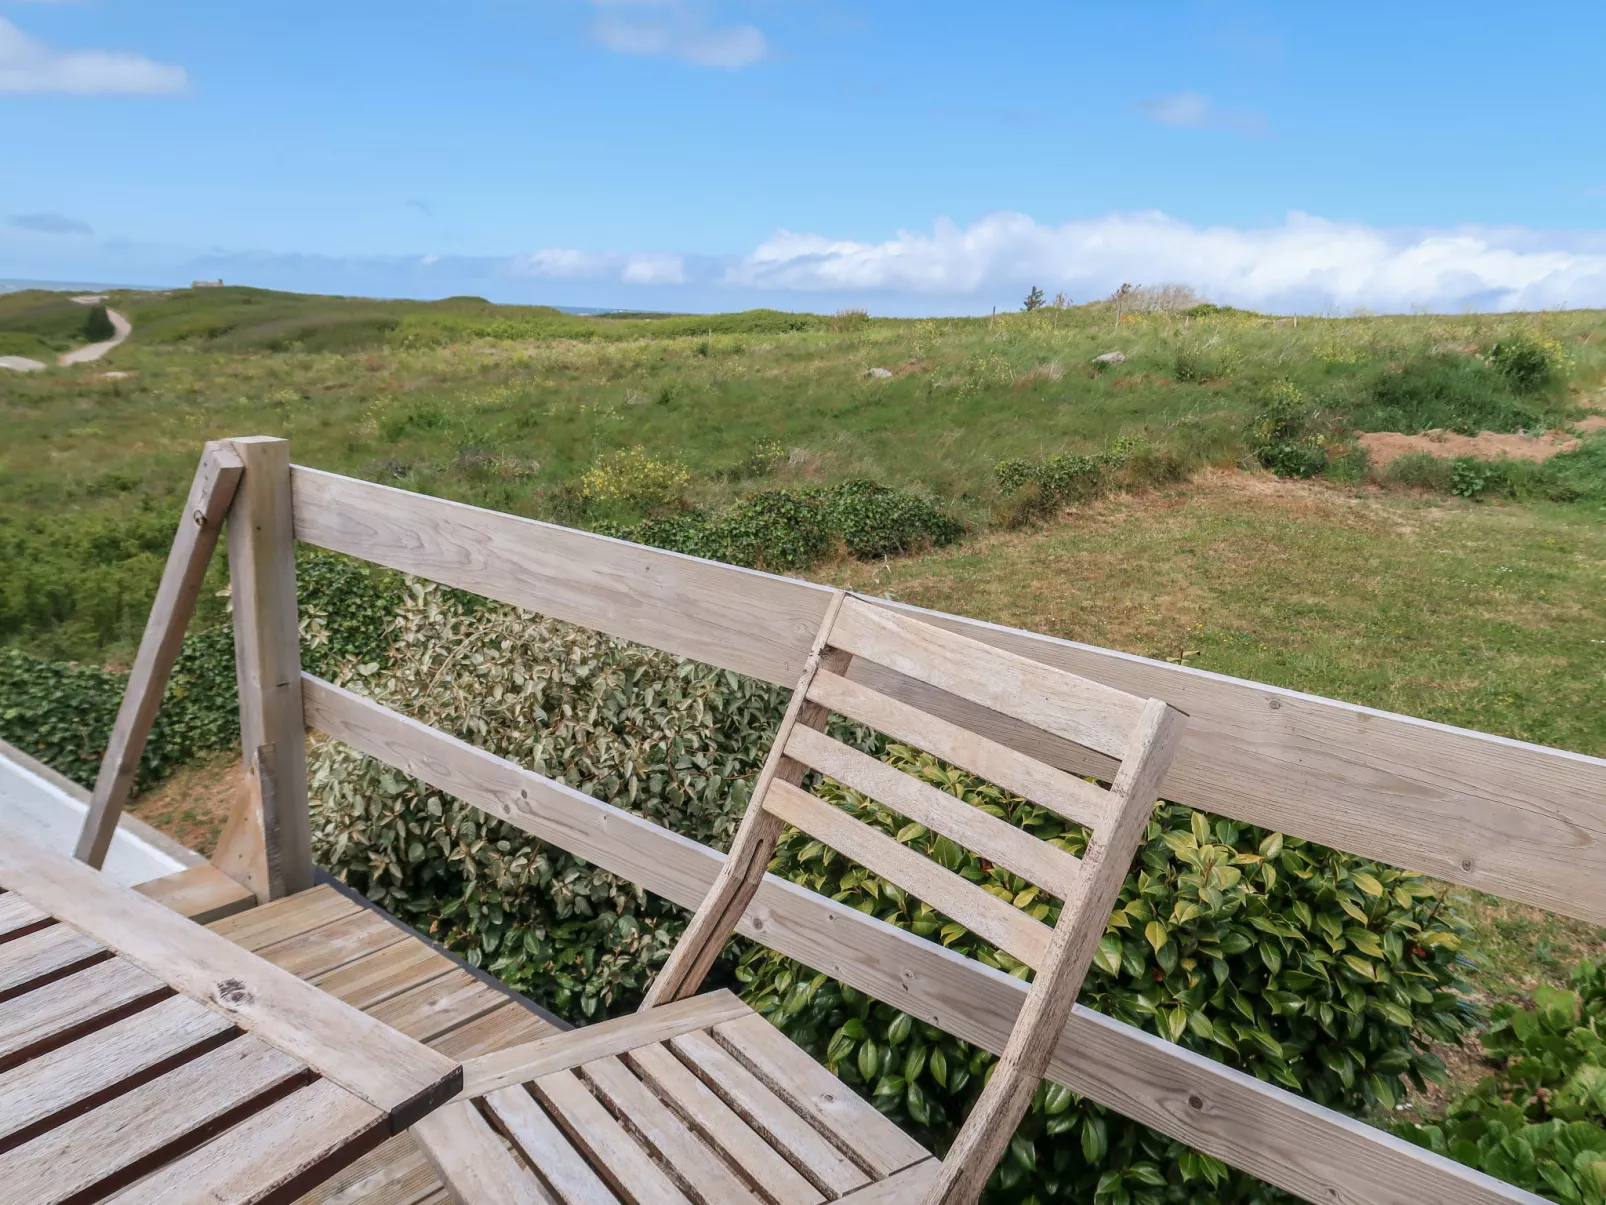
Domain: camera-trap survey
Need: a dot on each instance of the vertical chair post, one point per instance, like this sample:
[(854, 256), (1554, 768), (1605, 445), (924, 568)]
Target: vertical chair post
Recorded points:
[(211, 493), (267, 844)]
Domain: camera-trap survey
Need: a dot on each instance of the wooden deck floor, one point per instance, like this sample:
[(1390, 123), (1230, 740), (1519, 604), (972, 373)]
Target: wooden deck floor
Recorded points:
[(362, 956)]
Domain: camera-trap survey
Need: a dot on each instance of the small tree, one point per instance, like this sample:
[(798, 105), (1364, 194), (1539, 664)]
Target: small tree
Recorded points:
[(98, 327), (1034, 299)]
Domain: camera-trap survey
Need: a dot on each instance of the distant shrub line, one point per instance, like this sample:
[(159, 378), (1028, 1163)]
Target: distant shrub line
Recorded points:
[(787, 529)]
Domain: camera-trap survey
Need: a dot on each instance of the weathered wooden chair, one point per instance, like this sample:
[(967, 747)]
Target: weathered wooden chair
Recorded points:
[(698, 1099)]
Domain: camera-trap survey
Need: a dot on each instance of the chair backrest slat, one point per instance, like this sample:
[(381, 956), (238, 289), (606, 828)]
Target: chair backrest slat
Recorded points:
[(1048, 866), (1078, 709), (1139, 734), (1071, 797), (984, 914)]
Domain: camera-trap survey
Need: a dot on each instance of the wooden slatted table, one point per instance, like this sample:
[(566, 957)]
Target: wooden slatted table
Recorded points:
[(144, 1058)]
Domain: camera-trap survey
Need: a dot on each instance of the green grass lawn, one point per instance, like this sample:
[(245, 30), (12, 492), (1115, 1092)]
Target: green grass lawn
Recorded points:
[(507, 406)]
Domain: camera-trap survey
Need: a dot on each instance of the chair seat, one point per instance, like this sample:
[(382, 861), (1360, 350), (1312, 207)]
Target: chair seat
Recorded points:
[(701, 1101)]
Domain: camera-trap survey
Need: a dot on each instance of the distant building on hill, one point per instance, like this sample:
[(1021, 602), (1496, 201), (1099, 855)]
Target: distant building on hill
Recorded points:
[(207, 284)]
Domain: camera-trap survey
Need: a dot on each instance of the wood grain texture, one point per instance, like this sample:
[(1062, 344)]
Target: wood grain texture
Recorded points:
[(983, 913), (1515, 819), (818, 1095), (433, 1009), (1320, 1155), (261, 927), (357, 1052), (267, 655), (980, 832), (382, 976), (559, 1052), (268, 1155), (18, 916), (720, 1126), (673, 1143), (329, 947), (767, 1113), (395, 1172), (202, 893), (629, 1170), (65, 1008), (211, 493), (1071, 707), (544, 1146), (739, 619), (473, 1163), (1072, 797), (41, 954), (137, 1125), (123, 1053)]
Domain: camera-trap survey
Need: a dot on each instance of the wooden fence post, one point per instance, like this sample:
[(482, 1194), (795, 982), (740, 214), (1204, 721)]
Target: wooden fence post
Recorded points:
[(267, 844)]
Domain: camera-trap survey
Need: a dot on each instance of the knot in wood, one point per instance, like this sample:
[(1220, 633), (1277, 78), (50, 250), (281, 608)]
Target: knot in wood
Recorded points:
[(233, 993)]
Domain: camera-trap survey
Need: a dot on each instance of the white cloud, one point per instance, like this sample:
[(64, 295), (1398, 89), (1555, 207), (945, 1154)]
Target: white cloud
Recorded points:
[(676, 29), (1196, 111), (655, 269), (28, 65), (1307, 264), (558, 263), (564, 263)]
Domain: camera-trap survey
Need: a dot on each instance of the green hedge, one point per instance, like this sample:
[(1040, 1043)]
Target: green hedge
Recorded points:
[(1312, 969), (1539, 1122), (62, 712)]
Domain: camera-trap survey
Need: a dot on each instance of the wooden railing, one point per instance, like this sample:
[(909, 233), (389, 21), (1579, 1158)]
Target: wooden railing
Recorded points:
[(1518, 820)]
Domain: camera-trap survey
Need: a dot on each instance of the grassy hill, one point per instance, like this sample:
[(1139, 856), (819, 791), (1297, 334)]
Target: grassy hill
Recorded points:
[(531, 410), (38, 324)]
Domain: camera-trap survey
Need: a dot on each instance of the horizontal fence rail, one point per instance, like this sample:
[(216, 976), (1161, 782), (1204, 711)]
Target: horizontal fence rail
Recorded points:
[(1518, 820), (1283, 1139)]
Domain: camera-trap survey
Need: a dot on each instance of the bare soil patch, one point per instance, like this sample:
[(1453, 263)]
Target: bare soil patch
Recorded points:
[(193, 805), (1386, 446)]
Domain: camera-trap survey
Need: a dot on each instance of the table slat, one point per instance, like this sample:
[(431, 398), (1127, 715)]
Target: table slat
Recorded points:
[(60, 1011), (134, 1130), (121, 1056), (283, 1147), (38, 955)]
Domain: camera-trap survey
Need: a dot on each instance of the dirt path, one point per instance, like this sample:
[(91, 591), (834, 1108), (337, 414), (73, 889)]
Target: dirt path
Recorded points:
[(94, 351)]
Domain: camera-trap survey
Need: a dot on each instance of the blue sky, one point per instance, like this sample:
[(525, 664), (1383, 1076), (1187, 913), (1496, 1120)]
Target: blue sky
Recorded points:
[(909, 158)]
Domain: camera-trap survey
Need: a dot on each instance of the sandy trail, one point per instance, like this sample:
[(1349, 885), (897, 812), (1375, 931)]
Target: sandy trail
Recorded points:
[(94, 351)]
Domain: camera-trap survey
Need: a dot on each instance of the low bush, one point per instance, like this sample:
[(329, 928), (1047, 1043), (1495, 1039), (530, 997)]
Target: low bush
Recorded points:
[(1575, 476), (1448, 392), (793, 528), (1034, 488), (1310, 968), (98, 325), (1418, 470), (635, 478), (1529, 362), (1539, 1122), (1287, 434)]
